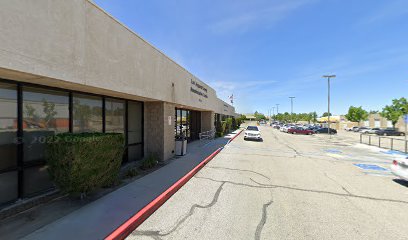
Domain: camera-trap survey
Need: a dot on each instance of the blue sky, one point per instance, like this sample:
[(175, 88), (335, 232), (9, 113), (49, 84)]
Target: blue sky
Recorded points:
[(264, 51)]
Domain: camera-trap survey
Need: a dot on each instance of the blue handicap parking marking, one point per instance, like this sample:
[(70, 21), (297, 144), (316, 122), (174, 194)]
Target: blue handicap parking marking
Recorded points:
[(370, 167), (333, 151), (392, 152)]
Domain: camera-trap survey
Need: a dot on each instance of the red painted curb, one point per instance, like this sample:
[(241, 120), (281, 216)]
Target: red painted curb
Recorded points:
[(132, 223)]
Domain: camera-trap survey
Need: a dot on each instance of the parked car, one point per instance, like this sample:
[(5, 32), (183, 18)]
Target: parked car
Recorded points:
[(252, 132), (355, 129), (348, 129), (399, 167), (288, 127), (373, 130), (325, 130), (284, 128), (390, 132), (300, 130), (363, 129)]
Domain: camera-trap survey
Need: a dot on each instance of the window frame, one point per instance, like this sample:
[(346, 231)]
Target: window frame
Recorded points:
[(21, 165)]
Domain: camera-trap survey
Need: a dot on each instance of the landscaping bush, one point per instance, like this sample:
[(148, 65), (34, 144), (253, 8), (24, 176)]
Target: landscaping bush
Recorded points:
[(224, 127), (234, 124), (239, 122), (229, 125), (149, 162), (218, 129), (82, 162)]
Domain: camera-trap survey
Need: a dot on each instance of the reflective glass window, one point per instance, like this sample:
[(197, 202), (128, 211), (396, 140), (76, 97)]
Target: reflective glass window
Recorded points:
[(114, 116), (87, 113), (45, 113)]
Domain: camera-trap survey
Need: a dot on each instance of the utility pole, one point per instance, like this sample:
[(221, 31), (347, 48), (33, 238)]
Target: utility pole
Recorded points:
[(273, 112), (291, 108), (328, 101), (277, 108)]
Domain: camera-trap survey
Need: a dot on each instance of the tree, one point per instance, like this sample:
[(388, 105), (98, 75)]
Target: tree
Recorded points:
[(314, 117), (49, 110), (394, 111), (356, 114), (259, 116), (30, 112), (326, 114), (374, 111)]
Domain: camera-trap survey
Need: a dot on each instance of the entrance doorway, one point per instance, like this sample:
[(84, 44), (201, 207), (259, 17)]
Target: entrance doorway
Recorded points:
[(188, 123)]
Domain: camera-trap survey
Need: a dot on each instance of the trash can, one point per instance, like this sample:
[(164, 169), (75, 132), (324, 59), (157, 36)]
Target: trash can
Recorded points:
[(181, 146)]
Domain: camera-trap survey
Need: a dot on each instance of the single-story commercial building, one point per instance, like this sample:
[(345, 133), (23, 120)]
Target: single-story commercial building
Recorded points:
[(68, 66)]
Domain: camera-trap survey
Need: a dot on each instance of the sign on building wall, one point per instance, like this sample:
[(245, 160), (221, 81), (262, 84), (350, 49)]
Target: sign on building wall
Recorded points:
[(198, 89)]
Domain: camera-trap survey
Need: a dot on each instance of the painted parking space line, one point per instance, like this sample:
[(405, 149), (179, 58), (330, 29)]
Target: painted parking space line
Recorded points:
[(370, 167), (335, 151), (380, 174), (394, 152)]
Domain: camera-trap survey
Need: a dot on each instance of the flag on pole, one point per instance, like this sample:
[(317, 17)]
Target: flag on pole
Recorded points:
[(232, 98)]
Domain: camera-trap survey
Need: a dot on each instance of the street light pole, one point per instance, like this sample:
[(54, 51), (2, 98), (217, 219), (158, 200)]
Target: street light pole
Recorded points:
[(328, 101), (291, 108), (273, 112), (277, 108)]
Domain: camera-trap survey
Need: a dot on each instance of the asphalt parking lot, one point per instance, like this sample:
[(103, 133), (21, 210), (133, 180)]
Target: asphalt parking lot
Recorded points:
[(287, 187)]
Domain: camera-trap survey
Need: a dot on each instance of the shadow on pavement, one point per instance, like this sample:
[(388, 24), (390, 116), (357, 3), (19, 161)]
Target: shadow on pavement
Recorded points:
[(253, 140), (401, 182)]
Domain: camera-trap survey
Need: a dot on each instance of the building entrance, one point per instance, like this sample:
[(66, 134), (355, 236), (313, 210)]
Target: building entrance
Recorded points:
[(188, 123)]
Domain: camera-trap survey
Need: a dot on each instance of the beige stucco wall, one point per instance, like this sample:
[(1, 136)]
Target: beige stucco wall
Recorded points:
[(207, 121), (74, 44), (158, 130)]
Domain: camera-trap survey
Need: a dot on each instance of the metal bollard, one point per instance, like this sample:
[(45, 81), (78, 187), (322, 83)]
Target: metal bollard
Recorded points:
[(392, 143), (379, 142), (369, 140)]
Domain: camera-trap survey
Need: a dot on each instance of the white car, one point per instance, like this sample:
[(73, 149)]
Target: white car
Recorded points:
[(288, 127), (252, 132), (399, 167), (365, 130), (373, 130)]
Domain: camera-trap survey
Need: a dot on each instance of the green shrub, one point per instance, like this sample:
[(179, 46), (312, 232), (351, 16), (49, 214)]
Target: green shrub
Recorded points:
[(233, 124), (239, 122), (224, 127), (82, 162), (218, 129), (149, 162), (229, 125)]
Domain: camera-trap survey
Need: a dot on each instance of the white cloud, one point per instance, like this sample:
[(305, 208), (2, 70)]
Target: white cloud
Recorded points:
[(392, 9), (263, 14)]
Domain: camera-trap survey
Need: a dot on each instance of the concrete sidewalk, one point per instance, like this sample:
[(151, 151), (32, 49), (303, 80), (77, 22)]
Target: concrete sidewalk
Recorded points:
[(99, 218)]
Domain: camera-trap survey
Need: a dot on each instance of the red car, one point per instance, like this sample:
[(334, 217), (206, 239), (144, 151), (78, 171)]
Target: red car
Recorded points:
[(300, 131)]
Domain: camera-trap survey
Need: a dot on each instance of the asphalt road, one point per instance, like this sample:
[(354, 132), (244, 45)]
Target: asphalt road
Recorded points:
[(287, 187)]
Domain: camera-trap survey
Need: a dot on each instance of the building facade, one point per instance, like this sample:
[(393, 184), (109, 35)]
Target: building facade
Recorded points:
[(68, 66)]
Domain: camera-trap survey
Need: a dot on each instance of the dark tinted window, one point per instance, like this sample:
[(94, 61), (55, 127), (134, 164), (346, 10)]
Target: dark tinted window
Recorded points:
[(8, 126), (252, 128)]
